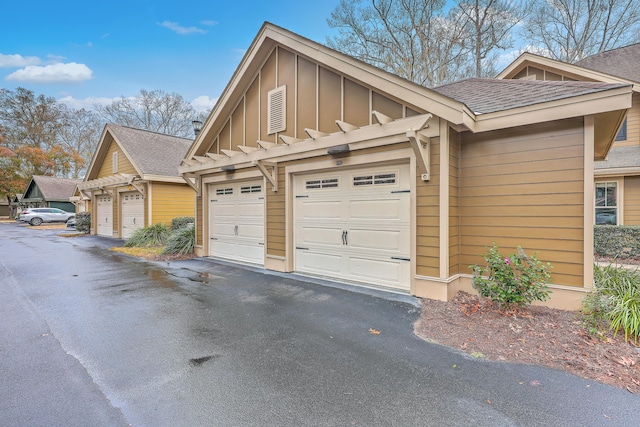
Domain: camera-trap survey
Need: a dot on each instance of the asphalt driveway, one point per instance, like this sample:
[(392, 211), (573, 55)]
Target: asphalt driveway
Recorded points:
[(92, 337)]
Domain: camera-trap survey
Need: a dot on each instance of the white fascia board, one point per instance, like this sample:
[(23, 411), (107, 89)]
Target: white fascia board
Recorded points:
[(593, 103)]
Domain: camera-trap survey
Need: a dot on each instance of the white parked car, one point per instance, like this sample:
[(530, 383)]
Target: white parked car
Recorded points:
[(36, 216)]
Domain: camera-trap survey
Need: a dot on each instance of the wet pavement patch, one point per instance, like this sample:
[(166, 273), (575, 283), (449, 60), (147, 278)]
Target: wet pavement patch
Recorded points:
[(200, 360)]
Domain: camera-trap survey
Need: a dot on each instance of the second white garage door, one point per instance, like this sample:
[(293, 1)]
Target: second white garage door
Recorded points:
[(104, 225), (236, 221), (355, 225), (132, 213)]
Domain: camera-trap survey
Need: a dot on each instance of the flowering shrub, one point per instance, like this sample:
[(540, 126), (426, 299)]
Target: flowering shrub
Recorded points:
[(517, 279)]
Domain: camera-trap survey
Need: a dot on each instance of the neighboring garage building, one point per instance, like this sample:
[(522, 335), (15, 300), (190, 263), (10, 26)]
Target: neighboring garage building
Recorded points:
[(133, 181), (314, 162), (49, 192)]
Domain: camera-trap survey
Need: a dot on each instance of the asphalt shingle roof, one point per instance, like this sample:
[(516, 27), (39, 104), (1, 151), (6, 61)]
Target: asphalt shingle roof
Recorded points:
[(484, 96), (620, 157), (153, 153), (623, 62), (54, 188)]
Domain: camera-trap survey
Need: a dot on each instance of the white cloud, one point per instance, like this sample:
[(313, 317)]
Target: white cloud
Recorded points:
[(507, 58), (56, 73), (54, 59), (179, 29), (14, 61), (204, 103), (209, 23), (86, 103)]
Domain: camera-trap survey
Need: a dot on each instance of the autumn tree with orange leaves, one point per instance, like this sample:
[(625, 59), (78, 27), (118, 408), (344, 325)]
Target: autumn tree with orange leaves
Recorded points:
[(42, 137)]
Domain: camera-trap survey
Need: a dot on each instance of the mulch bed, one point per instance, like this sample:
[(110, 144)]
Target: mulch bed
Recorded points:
[(536, 335)]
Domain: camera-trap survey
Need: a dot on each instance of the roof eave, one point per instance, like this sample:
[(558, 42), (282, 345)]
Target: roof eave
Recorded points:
[(162, 178), (611, 172), (531, 59), (575, 106)]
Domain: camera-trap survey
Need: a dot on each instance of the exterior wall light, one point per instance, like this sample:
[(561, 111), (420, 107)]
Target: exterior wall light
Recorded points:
[(197, 126), (339, 149)]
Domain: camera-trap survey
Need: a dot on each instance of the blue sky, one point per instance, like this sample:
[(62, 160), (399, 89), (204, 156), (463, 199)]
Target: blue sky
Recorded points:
[(82, 52)]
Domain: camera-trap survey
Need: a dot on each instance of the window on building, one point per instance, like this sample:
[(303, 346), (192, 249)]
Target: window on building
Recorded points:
[(115, 162), (607, 203), (622, 133)]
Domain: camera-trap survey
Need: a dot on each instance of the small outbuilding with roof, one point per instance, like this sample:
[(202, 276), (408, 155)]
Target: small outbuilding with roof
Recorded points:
[(49, 192), (133, 181)]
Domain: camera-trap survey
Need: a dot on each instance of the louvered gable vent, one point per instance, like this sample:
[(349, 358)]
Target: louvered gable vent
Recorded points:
[(277, 110)]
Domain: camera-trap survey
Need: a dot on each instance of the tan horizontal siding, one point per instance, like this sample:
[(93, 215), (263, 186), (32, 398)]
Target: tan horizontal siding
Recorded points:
[(275, 220), (454, 211), (428, 218), (524, 167), (199, 221), (170, 201), (470, 210), (631, 201), (514, 191)]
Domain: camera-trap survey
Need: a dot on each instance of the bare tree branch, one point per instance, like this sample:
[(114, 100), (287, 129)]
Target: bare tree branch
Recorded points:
[(156, 111)]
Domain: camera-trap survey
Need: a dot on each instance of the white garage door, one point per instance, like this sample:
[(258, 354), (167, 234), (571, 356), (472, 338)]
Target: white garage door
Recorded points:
[(355, 225), (236, 221), (105, 216), (132, 213)]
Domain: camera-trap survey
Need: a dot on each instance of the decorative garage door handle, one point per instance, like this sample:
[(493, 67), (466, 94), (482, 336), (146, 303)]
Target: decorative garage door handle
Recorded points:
[(344, 237), (235, 230), (134, 220)]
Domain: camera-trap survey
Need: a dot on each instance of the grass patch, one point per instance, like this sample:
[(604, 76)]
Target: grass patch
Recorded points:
[(147, 253)]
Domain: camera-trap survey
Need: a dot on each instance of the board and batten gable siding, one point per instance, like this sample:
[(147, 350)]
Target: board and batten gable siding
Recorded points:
[(124, 165), (315, 98), (524, 187), (34, 192), (540, 72), (633, 123), (170, 201)]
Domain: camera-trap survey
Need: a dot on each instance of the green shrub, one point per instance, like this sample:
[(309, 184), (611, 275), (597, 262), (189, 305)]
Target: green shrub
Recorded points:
[(153, 235), (83, 222), (518, 279), (181, 241), (614, 300), (181, 222), (621, 241)]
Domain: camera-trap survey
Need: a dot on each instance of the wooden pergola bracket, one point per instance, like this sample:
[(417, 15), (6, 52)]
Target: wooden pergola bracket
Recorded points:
[(270, 171)]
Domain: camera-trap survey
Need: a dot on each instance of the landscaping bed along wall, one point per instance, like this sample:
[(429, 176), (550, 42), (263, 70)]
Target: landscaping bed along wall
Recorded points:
[(617, 241)]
